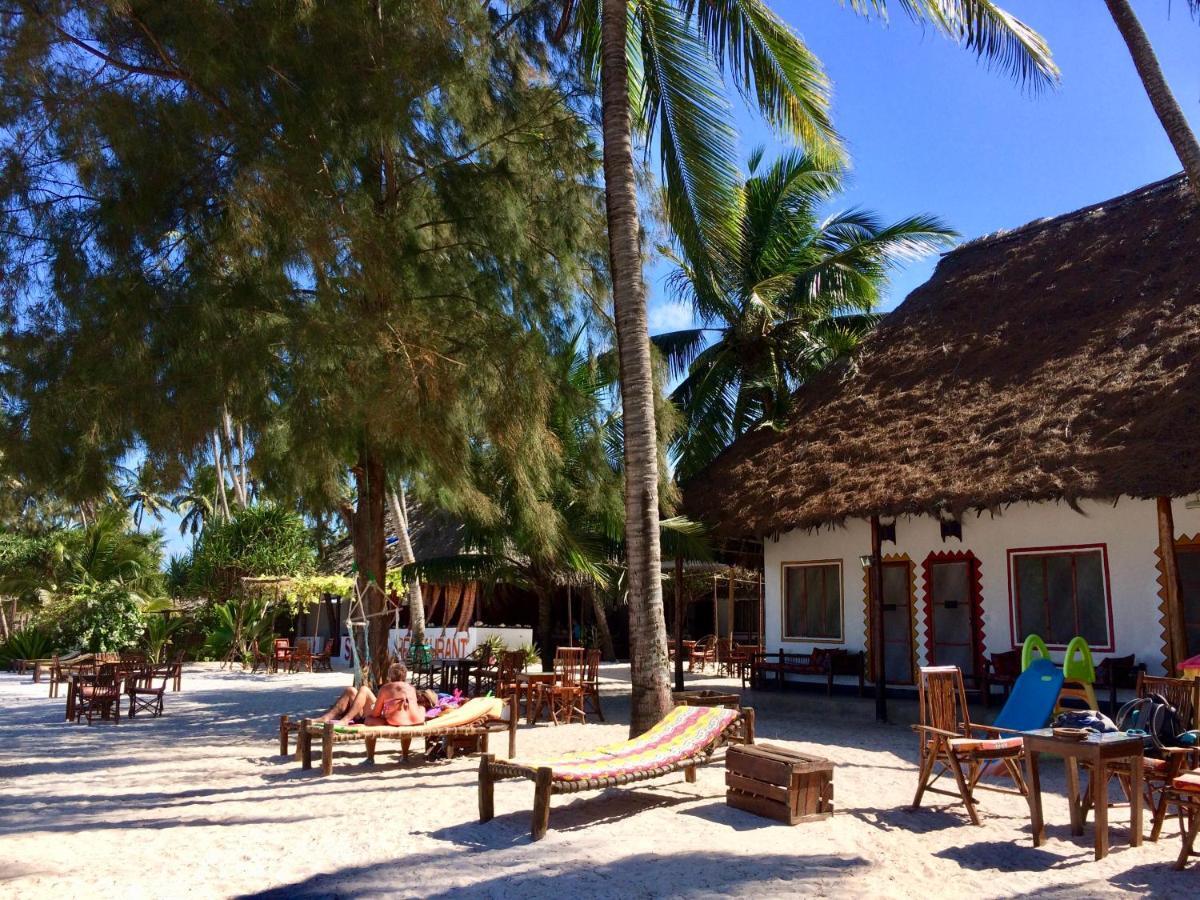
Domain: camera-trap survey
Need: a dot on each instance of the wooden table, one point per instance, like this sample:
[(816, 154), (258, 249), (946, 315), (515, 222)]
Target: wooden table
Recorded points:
[(528, 680), (1097, 750)]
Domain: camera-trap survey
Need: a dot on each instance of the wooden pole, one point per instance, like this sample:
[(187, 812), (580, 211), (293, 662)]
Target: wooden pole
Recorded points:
[(729, 604), (762, 614), (876, 591), (570, 620), (1176, 635), (679, 685), (716, 618)]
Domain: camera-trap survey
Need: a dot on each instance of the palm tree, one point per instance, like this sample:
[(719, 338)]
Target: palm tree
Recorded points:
[(197, 501), (142, 494), (792, 292), (1166, 107), (664, 62)]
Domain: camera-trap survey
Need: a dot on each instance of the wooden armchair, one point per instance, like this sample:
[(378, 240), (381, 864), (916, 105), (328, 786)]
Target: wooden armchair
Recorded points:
[(301, 658), (703, 652), (1158, 774), (949, 742), (563, 698), (508, 667), (281, 653), (323, 661), (100, 695), (1118, 673), (591, 683), (146, 690)]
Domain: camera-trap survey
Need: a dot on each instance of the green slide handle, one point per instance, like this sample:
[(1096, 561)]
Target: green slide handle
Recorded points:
[(1078, 664), (1032, 643)]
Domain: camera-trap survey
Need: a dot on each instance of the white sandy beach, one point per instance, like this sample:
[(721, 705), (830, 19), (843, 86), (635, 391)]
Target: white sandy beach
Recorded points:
[(198, 803)]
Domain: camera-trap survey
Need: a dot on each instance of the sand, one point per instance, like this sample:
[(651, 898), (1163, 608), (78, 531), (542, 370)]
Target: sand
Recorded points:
[(198, 803)]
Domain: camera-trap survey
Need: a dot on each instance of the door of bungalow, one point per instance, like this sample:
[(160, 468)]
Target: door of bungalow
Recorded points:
[(954, 620), (898, 621)]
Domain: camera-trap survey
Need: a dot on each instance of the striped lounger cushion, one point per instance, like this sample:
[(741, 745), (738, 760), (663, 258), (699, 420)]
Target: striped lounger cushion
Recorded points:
[(683, 733)]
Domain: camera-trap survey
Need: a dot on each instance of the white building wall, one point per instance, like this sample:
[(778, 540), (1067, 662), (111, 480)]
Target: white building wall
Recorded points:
[(1128, 530)]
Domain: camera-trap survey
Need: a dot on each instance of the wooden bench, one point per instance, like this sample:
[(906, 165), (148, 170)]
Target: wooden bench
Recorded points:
[(821, 661), (781, 784)]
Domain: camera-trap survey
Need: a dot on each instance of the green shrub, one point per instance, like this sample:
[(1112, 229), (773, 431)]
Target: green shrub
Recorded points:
[(28, 643), (102, 617)]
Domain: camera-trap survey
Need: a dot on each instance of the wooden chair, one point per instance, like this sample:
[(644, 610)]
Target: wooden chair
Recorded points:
[(301, 658), (563, 698), (146, 690), (1159, 774), (703, 652), (281, 652), (951, 743), (177, 671), (100, 695), (509, 666), (1002, 669), (323, 661), (591, 683), (1184, 794)]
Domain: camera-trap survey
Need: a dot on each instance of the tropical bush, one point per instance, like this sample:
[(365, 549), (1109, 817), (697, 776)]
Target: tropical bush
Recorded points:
[(260, 540), (102, 617), (159, 631), (241, 625), (32, 642)]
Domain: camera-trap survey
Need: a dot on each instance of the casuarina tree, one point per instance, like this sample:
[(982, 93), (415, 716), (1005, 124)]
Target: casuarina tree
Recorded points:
[(350, 227)]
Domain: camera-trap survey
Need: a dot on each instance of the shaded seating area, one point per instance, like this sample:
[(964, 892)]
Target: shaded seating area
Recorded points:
[(477, 718), (685, 738), (1159, 771), (827, 662)]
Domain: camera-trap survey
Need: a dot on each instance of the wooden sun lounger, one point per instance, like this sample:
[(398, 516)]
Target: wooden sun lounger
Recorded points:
[(307, 730), (549, 778)]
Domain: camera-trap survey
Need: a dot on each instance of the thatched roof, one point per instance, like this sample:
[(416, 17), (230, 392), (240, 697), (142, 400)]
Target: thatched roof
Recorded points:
[(1058, 361), (433, 534)]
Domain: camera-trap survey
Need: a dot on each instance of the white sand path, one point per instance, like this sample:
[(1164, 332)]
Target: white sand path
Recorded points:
[(198, 803)]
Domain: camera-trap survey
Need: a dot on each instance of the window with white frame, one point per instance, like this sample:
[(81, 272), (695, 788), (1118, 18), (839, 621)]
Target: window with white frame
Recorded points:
[(1060, 592), (812, 601)]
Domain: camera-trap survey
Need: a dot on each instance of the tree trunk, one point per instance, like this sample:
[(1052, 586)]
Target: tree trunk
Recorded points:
[(545, 629), (1176, 627), (369, 536), (601, 617), (224, 500), (235, 469), (651, 689), (1166, 107), (416, 603)]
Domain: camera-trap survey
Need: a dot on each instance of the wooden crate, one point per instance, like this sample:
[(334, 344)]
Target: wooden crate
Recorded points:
[(777, 783)]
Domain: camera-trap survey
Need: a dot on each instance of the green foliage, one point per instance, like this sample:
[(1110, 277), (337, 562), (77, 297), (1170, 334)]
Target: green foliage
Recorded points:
[(794, 292), (533, 655), (159, 630), (258, 541), (300, 591), (241, 625), (31, 642), (102, 617)]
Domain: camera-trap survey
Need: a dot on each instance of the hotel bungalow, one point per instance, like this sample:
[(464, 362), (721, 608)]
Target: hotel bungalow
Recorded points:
[(1018, 442)]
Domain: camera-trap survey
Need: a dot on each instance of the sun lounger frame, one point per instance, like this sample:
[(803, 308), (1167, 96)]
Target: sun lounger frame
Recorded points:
[(307, 730), (491, 770)]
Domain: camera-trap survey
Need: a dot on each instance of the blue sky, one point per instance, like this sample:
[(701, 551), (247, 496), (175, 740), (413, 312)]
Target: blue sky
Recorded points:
[(931, 129)]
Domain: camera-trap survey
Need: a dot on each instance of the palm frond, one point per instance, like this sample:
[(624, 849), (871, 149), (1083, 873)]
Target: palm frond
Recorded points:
[(771, 67), (983, 27)]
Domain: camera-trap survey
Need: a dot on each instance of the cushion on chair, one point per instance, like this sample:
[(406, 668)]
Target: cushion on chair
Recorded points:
[(989, 745), (1189, 782)]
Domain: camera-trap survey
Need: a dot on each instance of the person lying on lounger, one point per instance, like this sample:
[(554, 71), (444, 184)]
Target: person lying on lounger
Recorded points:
[(397, 703)]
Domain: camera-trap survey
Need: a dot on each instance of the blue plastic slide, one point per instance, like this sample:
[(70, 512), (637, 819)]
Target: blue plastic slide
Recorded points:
[(1031, 702)]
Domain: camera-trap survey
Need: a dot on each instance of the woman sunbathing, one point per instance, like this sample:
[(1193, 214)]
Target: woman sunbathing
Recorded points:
[(397, 703)]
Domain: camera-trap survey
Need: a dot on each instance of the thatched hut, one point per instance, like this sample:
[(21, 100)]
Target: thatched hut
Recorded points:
[(1022, 433)]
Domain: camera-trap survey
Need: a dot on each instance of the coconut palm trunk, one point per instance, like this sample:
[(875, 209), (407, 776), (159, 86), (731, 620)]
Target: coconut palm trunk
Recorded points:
[(1166, 107), (416, 602), (602, 629), (651, 697)]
